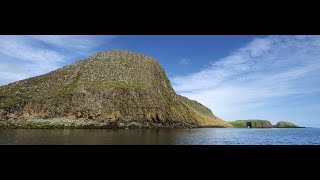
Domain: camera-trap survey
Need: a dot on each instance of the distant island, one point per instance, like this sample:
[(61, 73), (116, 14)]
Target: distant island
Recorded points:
[(256, 123), (284, 124), (109, 89)]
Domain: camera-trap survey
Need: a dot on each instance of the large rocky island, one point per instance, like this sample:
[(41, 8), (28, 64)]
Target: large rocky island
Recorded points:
[(109, 89)]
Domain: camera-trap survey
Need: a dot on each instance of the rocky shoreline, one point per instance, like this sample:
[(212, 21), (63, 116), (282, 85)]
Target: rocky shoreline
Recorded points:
[(64, 123)]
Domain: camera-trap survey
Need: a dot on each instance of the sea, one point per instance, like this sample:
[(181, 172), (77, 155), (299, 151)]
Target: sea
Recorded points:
[(201, 136)]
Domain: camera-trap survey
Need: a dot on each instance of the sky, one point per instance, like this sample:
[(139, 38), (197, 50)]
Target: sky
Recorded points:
[(236, 76)]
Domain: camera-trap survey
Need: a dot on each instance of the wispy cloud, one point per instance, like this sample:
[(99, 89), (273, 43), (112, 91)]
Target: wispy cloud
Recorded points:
[(74, 42), (185, 61), (264, 72), (26, 56), (21, 48)]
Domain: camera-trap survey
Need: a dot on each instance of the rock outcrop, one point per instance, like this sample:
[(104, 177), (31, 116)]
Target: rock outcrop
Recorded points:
[(113, 86)]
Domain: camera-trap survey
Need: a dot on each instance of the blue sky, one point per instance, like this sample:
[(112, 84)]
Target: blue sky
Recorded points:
[(237, 77)]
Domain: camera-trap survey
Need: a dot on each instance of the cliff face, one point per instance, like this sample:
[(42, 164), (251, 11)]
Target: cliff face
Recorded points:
[(284, 124), (115, 85), (252, 123)]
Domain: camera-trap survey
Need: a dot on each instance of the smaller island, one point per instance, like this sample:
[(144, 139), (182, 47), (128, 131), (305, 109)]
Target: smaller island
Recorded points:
[(256, 123), (284, 124), (251, 123)]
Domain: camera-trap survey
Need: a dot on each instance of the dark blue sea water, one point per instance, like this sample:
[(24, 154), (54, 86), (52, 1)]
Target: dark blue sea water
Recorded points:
[(204, 136)]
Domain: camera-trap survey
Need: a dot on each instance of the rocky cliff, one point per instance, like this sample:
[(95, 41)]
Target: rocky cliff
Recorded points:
[(113, 86)]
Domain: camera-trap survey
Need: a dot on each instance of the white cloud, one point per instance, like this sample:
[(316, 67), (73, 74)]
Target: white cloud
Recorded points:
[(81, 42), (258, 75), (26, 56), (20, 48), (185, 61)]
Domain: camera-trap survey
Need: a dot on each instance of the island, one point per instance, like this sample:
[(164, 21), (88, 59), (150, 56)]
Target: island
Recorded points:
[(285, 124), (256, 123), (108, 89), (251, 123)]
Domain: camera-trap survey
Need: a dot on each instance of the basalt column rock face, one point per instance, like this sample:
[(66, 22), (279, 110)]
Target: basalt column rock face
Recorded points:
[(114, 85)]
